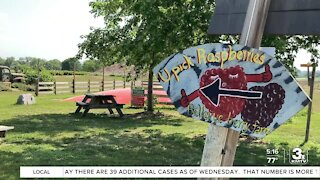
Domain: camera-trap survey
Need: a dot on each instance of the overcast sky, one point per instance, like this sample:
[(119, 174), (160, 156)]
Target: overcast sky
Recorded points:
[(51, 29), (44, 28)]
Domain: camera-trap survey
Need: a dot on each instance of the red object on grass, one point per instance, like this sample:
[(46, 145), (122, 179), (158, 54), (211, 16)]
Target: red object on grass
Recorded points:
[(122, 96)]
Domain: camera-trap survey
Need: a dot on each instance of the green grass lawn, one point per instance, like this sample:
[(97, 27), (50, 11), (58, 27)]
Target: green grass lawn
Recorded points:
[(47, 133)]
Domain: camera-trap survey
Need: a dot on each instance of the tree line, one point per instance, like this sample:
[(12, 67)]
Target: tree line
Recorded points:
[(23, 64)]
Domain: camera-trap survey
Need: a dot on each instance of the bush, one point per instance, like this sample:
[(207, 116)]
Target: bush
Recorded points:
[(46, 76), (23, 87), (4, 87), (32, 76), (65, 73)]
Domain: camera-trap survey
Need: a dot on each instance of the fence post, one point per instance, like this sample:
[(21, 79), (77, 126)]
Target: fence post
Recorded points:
[(89, 86), (55, 87), (73, 86), (313, 74), (114, 84), (37, 87), (124, 83), (102, 85)]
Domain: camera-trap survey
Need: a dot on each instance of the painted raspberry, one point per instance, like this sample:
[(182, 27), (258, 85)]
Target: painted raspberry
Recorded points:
[(232, 78), (262, 111)]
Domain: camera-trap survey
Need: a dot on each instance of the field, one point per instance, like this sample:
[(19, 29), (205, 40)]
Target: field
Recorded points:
[(48, 133)]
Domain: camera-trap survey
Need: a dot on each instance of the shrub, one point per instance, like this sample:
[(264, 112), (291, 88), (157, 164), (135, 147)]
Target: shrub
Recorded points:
[(46, 76), (23, 87), (66, 73), (4, 87), (32, 76)]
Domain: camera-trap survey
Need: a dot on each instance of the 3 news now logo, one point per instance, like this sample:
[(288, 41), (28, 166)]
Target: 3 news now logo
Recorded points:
[(297, 156)]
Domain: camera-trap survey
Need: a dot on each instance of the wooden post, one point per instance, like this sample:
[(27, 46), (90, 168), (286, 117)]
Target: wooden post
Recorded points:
[(89, 86), (308, 74), (38, 79), (74, 78), (124, 76), (212, 154), (142, 82), (114, 84), (55, 87), (150, 103), (103, 78), (308, 65), (221, 143), (73, 86), (310, 104), (37, 87)]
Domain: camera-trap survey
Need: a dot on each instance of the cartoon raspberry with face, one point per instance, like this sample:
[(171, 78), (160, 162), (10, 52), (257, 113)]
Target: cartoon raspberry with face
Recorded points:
[(224, 92)]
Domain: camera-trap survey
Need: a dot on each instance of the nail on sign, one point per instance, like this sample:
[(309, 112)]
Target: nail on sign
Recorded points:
[(233, 86)]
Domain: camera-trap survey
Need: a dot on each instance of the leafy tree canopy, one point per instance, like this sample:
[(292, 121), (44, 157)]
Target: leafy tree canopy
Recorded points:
[(71, 64), (145, 32), (90, 65), (53, 64)]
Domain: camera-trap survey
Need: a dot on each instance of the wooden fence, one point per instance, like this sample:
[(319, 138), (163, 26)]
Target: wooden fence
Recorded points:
[(76, 87), (96, 86)]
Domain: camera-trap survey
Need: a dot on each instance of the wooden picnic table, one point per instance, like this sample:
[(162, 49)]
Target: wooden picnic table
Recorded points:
[(4, 129), (99, 101)]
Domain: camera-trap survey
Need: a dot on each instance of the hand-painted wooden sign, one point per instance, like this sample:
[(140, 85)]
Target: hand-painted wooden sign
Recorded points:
[(235, 87)]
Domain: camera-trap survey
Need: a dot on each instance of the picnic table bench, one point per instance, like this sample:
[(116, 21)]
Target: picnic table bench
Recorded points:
[(98, 101), (4, 129)]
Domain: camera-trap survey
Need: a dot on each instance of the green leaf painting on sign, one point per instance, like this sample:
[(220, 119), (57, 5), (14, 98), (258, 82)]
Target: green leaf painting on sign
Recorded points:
[(233, 86)]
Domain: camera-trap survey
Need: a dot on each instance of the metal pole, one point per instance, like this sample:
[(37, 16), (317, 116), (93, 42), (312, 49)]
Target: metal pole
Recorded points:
[(310, 104), (251, 36)]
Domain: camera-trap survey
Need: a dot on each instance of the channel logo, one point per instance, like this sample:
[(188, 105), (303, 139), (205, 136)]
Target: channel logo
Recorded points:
[(297, 156)]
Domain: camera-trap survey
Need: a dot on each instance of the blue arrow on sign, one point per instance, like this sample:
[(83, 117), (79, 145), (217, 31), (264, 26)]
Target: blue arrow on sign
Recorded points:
[(213, 91)]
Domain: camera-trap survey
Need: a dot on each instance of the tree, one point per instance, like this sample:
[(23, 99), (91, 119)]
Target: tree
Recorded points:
[(288, 46), (8, 62), (71, 64), (35, 62), (2, 61), (90, 65), (100, 46), (143, 33), (53, 64), (16, 66)]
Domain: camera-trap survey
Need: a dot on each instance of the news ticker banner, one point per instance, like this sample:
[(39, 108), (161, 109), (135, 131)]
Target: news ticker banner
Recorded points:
[(169, 172)]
